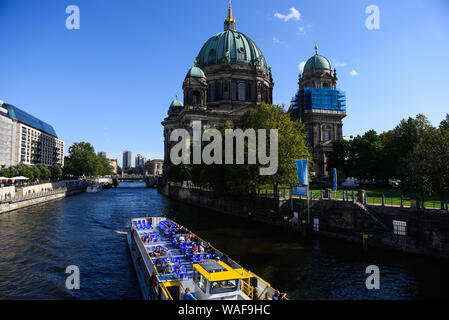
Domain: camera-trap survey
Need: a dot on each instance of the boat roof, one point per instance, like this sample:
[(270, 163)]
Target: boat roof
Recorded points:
[(220, 271)]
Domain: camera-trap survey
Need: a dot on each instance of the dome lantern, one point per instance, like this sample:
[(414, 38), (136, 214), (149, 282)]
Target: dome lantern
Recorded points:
[(230, 23)]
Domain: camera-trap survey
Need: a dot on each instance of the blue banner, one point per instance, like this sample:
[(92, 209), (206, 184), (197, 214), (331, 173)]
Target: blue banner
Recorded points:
[(335, 179), (303, 172), (299, 191)]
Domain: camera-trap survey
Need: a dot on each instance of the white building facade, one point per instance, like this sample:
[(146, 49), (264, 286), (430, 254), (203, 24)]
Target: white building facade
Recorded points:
[(7, 139), (28, 140)]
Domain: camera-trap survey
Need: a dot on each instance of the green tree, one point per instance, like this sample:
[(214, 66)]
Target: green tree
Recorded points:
[(399, 144), (83, 160), (365, 156), (103, 167), (339, 157), (445, 122), (428, 165), (44, 171), (56, 171)]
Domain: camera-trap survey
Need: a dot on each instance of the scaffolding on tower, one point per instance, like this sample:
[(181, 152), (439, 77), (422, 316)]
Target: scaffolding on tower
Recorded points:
[(323, 98)]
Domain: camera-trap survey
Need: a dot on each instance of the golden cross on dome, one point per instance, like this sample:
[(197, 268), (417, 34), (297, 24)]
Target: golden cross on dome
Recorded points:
[(316, 49), (230, 18)]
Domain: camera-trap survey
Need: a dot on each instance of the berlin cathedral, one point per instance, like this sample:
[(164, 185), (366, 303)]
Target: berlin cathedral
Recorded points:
[(231, 75)]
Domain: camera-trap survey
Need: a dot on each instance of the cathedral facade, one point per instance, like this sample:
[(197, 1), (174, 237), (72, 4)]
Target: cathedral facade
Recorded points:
[(229, 77)]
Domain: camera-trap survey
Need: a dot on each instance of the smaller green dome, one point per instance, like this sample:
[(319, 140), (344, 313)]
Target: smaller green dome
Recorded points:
[(317, 62), (176, 103), (196, 72)]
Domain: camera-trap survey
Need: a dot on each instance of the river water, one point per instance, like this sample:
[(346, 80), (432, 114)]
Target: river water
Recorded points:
[(38, 243)]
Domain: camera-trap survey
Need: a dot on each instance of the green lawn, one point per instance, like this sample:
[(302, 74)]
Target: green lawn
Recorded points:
[(392, 196)]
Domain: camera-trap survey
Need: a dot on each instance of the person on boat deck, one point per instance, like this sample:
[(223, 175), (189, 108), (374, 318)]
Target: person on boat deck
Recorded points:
[(209, 248), (201, 247), (181, 238), (169, 267), (195, 248), (267, 296), (159, 265), (279, 296), (157, 251), (164, 253), (188, 295)]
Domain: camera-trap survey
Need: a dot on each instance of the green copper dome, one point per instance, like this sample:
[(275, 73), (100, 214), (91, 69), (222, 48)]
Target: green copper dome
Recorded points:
[(317, 62), (231, 47), (176, 103), (195, 72)]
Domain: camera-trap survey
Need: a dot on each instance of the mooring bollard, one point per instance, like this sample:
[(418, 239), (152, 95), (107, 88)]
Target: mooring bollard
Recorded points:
[(321, 195), (304, 228), (365, 241), (286, 224), (402, 201), (383, 200), (422, 205), (353, 196)]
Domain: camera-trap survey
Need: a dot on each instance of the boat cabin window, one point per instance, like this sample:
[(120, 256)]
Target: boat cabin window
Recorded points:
[(200, 281), (223, 286)]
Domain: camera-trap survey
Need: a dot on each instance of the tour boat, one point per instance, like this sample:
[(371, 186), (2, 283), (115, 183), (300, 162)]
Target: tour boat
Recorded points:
[(209, 275), (95, 188)]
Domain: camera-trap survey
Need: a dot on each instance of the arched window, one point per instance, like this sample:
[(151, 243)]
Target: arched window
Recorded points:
[(219, 94), (211, 92), (327, 135), (242, 91), (234, 91), (196, 98)]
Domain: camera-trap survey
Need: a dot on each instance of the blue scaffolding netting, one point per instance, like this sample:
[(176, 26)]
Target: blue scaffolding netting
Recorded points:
[(321, 99)]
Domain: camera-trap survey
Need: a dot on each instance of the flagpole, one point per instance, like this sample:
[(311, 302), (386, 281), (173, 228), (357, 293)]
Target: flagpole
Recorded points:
[(308, 206)]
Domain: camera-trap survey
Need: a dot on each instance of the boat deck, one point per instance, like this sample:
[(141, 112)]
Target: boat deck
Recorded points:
[(179, 253)]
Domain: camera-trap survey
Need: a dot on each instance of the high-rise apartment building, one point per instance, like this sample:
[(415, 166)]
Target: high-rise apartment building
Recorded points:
[(126, 159), (26, 139)]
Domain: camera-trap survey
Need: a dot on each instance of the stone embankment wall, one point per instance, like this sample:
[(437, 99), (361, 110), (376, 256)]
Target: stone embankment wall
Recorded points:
[(425, 233), (42, 187), (5, 192), (416, 231), (39, 196)]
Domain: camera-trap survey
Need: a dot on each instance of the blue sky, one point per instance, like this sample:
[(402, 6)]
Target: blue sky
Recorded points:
[(111, 82)]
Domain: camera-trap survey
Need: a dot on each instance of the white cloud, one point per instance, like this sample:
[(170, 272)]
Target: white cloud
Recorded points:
[(276, 40), (301, 65), (337, 63), (301, 30), (353, 73), (294, 14)]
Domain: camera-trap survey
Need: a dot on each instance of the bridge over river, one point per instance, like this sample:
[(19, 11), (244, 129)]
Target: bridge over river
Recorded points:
[(114, 181)]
